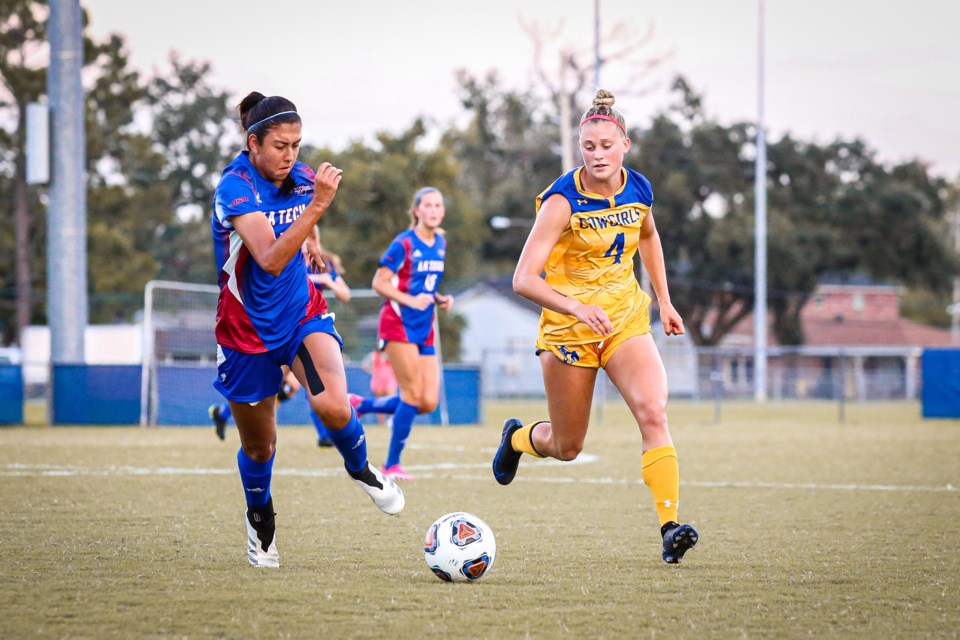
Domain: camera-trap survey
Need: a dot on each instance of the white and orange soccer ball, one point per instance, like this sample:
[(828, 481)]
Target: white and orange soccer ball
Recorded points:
[(459, 547)]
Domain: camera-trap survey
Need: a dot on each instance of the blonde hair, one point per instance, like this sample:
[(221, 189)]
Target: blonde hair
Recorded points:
[(602, 109)]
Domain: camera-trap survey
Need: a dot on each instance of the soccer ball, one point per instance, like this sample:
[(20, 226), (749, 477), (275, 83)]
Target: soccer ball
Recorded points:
[(459, 547)]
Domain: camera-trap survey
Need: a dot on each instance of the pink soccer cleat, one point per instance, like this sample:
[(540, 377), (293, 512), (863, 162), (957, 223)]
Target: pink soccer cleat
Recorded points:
[(355, 401), (397, 473)]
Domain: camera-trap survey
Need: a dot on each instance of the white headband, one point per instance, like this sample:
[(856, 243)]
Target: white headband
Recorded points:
[(259, 122)]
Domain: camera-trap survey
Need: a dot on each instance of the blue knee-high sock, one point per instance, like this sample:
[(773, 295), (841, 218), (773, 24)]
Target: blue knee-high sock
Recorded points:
[(225, 411), (351, 442), (402, 423), (255, 477), (386, 404)]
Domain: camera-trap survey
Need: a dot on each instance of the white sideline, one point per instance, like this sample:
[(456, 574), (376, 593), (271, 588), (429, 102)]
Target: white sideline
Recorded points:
[(425, 472)]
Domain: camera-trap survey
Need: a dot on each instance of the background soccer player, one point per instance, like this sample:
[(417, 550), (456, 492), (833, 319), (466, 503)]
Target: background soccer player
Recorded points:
[(409, 277)]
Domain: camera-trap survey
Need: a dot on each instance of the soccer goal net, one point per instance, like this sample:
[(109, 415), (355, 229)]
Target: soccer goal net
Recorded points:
[(180, 352)]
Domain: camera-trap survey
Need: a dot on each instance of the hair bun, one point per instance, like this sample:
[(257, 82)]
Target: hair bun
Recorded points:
[(249, 102), (603, 99)]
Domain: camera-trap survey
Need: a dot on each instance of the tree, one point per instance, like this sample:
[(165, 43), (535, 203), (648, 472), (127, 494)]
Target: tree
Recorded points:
[(23, 70), (831, 209), (196, 132), (507, 153), (373, 204), (123, 202)]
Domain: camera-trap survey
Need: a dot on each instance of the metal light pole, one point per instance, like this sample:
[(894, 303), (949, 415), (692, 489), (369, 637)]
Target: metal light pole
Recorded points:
[(760, 231), (596, 45), (67, 211)]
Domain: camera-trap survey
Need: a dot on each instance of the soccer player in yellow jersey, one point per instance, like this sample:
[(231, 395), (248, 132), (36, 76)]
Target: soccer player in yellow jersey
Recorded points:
[(590, 223)]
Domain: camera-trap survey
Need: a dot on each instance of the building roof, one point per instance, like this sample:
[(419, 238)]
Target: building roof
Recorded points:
[(834, 320), (502, 287), (896, 332)]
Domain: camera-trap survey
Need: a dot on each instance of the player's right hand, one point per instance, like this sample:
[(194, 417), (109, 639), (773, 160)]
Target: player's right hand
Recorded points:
[(325, 184), (421, 301), (595, 318)]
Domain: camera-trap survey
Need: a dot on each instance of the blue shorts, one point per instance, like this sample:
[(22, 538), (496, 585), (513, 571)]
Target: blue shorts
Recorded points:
[(424, 349), (251, 377)]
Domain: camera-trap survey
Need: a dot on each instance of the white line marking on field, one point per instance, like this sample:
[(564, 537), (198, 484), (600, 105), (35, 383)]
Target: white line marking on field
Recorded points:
[(427, 471)]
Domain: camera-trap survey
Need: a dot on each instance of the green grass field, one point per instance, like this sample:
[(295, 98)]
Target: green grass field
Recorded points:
[(808, 528)]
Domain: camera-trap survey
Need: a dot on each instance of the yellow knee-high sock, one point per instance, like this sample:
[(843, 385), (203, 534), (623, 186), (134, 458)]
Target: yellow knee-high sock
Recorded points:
[(661, 472), (522, 440)]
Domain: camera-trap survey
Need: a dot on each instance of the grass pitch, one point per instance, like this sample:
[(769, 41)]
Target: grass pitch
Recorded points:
[(808, 528)]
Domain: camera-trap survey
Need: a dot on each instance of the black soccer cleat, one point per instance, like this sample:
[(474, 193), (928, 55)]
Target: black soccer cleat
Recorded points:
[(506, 460), (219, 423), (262, 537), (677, 540)]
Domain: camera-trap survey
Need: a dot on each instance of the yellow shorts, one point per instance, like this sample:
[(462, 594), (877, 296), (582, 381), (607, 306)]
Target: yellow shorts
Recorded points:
[(596, 354)]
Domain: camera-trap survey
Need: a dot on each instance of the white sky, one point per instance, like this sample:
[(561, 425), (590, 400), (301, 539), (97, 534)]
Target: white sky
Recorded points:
[(883, 70)]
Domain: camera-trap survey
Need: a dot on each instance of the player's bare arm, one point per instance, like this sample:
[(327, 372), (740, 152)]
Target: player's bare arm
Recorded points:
[(272, 253), (552, 219), (383, 284), (651, 253)]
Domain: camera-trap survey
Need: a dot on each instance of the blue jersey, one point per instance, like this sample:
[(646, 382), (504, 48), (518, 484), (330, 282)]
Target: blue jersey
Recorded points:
[(418, 268), (257, 311)]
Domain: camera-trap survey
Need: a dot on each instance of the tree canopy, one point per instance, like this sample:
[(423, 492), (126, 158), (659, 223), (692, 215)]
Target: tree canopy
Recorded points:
[(156, 146)]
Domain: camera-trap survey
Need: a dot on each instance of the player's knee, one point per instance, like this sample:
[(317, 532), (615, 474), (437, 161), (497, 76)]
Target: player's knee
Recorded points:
[(414, 397), (427, 405), (653, 415), (568, 451), (260, 452), (334, 417)]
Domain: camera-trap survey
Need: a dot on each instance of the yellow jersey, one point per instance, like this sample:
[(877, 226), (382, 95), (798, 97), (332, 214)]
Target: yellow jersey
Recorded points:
[(593, 261)]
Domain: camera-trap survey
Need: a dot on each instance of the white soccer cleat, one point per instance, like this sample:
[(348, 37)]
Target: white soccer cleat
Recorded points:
[(261, 541), (382, 490)]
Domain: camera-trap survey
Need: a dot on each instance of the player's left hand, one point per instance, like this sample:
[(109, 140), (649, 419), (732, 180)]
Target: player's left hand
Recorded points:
[(311, 251), (444, 302), (672, 322)]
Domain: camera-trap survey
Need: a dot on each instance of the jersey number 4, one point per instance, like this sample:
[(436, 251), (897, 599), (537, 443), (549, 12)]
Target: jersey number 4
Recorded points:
[(616, 249)]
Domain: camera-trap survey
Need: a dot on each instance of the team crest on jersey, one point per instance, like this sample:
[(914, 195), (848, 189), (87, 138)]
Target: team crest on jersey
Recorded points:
[(569, 355)]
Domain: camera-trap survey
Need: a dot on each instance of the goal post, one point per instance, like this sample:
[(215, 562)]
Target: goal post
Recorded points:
[(180, 353), (178, 345)]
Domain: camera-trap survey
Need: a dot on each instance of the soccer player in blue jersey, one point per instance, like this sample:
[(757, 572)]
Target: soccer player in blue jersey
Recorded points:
[(269, 315), (590, 223), (408, 278)]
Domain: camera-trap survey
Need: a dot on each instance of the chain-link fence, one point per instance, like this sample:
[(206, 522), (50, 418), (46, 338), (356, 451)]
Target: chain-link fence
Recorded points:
[(797, 373)]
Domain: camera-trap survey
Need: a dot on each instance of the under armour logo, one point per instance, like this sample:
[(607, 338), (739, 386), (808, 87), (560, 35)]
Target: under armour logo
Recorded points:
[(581, 202)]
